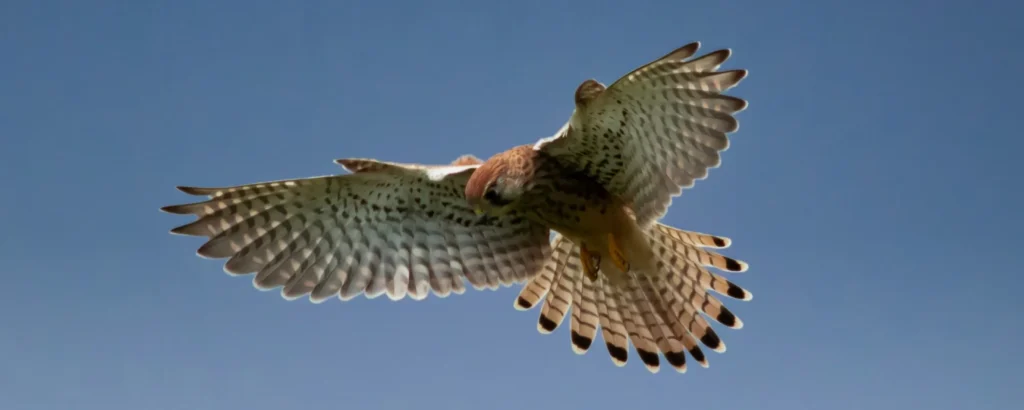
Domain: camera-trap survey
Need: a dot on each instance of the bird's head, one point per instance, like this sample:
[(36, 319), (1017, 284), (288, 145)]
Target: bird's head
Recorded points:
[(497, 185)]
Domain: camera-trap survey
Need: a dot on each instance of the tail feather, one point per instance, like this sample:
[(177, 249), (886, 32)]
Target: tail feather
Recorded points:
[(696, 254), (585, 317), (687, 324), (673, 323), (559, 298), (679, 257), (613, 327), (660, 311), (537, 288), (639, 333), (656, 321), (694, 238), (689, 320), (684, 289)]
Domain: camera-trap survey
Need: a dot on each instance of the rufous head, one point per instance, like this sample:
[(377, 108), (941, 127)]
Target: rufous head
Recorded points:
[(498, 184)]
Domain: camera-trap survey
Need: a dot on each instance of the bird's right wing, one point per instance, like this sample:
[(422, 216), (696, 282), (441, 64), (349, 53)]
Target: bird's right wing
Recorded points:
[(399, 229), (654, 131)]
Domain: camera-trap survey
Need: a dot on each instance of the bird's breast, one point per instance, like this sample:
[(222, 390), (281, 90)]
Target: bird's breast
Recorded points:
[(577, 216)]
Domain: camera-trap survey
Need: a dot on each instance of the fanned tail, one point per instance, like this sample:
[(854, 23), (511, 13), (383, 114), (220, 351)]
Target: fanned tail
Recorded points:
[(661, 311)]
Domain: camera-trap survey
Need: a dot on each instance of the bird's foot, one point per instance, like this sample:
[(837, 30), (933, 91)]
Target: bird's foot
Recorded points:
[(615, 251), (591, 263)]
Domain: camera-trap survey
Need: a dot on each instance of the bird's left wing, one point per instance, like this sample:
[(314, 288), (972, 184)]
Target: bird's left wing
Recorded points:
[(654, 131), (399, 229)]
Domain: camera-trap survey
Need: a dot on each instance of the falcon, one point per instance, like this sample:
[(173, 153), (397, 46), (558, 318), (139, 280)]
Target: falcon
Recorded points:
[(600, 185)]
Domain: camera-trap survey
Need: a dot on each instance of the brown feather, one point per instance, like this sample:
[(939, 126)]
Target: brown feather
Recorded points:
[(516, 164)]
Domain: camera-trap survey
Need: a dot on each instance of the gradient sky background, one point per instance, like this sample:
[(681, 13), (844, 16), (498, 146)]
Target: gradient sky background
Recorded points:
[(874, 187)]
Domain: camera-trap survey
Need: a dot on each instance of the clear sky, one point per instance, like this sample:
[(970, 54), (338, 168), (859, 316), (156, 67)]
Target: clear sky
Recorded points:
[(874, 187)]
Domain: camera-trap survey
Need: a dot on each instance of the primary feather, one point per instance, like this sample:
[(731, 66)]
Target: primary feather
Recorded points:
[(654, 131), (394, 229)]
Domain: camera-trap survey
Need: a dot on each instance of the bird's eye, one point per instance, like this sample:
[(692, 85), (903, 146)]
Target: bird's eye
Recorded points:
[(491, 195)]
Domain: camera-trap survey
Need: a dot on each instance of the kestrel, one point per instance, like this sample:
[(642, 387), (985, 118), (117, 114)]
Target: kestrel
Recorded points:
[(601, 184)]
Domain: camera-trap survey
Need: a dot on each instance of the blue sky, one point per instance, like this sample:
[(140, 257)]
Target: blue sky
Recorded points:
[(874, 187)]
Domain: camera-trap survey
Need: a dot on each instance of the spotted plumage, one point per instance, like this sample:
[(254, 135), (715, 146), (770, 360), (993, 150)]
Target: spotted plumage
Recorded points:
[(600, 184)]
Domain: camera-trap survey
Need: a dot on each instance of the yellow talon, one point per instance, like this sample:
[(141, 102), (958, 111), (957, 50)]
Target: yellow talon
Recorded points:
[(590, 263), (616, 254)]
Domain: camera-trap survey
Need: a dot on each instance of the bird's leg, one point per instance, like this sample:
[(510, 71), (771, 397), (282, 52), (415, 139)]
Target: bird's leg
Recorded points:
[(615, 251), (591, 263)]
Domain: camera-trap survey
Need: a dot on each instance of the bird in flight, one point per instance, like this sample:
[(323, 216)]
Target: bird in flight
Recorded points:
[(600, 184)]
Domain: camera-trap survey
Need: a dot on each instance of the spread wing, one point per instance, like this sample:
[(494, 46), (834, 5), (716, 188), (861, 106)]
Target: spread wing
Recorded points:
[(399, 229), (654, 131)]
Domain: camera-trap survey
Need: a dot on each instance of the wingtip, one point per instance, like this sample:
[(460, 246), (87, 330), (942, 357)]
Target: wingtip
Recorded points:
[(171, 209), (685, 52), (742, 74), (348, 163), (180, 230), (260, 286), (745, 104), (290, 298), (213, 250), (720, 56), (193, 190)]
